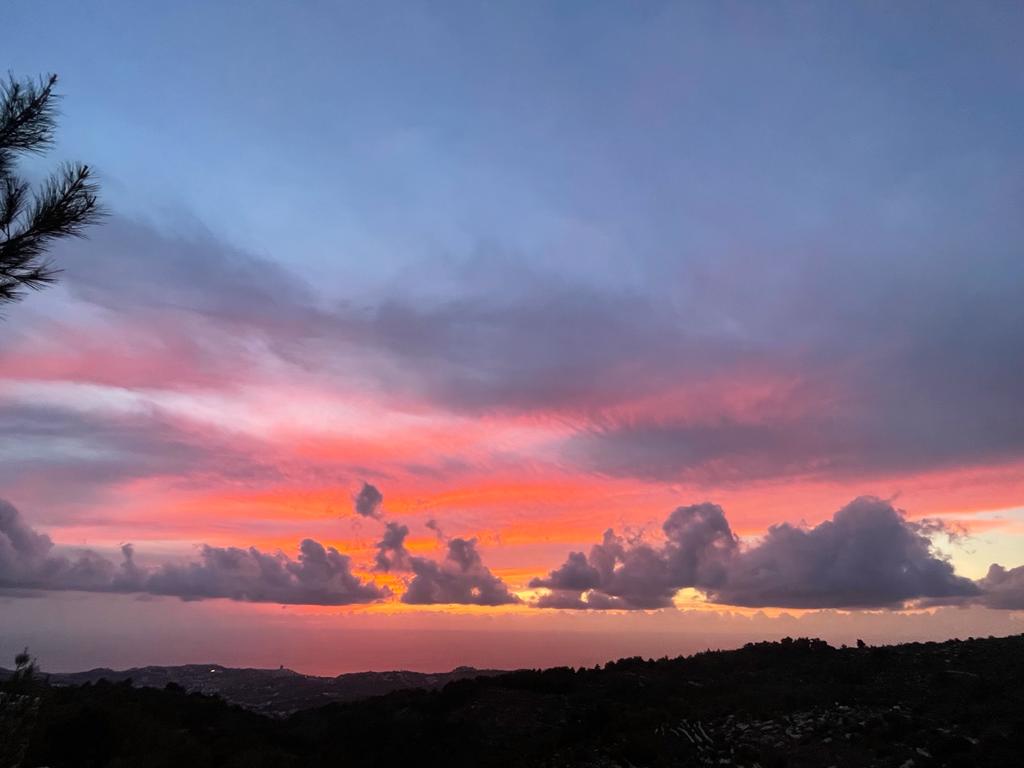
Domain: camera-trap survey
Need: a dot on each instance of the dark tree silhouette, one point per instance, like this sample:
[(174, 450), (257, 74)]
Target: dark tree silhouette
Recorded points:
[(31, 220), (25, 667), (25, 676)]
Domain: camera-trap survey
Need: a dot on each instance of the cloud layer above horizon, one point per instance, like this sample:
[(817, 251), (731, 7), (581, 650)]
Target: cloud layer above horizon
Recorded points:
[(867, 556)]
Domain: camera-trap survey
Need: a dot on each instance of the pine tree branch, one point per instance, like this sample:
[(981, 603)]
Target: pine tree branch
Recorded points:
[(63, 207), (28, 114)]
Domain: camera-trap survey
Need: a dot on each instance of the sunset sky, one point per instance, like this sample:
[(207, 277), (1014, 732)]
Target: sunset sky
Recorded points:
[(530, 272)]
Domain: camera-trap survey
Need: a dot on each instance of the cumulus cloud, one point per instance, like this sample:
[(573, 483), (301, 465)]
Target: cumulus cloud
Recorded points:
[(21, 549), (867, 556), (368, 501), (1003, 588), (618, 574), (318, 576), (391, 552), (460, 578), (27, 561)]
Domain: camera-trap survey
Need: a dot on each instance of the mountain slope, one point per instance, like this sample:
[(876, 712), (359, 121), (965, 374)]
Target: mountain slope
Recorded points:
[(800, 704), (271, 691)]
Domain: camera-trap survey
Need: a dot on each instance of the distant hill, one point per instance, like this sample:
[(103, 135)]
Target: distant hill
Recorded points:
[(792, 704), (272, 691)]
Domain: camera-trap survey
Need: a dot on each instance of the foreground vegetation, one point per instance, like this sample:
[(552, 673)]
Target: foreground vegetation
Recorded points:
[(794, 703)]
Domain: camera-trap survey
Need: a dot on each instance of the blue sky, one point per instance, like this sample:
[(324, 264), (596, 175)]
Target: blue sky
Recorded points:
[(608, 141)]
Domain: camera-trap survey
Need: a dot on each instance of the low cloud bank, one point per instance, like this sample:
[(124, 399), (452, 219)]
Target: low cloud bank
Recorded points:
[(318, 576), (867, 556)]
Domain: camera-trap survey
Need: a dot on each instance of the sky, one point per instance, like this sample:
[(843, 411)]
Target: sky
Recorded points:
[(426, 334)]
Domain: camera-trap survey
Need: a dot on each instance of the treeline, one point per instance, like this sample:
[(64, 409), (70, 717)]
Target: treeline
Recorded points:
[(623, 713)]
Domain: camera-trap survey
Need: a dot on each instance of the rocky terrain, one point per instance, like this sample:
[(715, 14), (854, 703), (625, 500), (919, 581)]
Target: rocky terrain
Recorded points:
[(795, 704), (824, 736)]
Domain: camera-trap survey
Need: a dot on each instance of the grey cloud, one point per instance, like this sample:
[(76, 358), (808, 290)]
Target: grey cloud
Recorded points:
[(855, 429), (867, 556), (132, 443), (1003, 588), (75, 450), (436, 528), (71, 456), (368, 501), (576, 574), (460, 578), (391, 552), (27, 561), (864, 365), (21, 548), (618, 574), (902, 359), (699, 544), (319, 576), (189, 311), (534, 349), (721, 451), (128, 265), (477, 352)]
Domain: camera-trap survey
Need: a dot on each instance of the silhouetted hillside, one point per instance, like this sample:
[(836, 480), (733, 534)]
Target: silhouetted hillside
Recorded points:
[(272, 691), (794, 703)]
